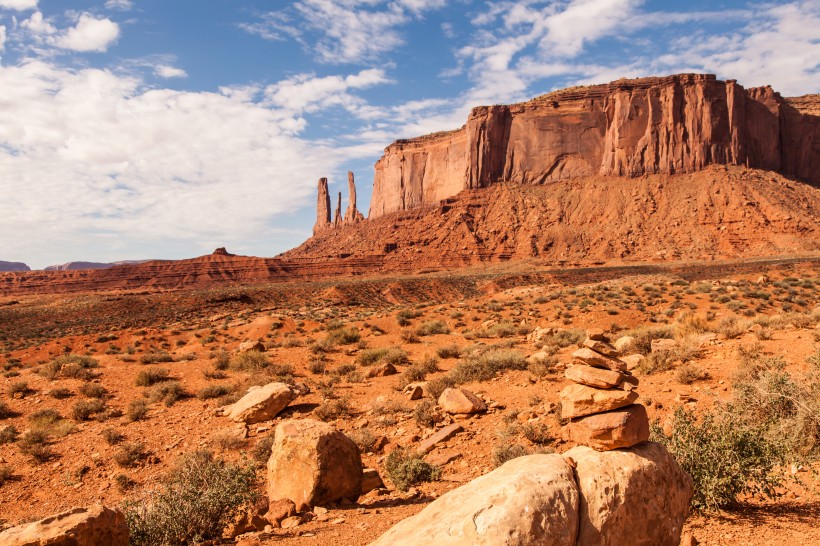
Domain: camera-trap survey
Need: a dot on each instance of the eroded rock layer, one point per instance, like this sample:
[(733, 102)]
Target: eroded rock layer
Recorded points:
[(674, 124)]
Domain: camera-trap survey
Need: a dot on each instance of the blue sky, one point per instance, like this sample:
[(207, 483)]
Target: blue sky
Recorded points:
[(166, 128)]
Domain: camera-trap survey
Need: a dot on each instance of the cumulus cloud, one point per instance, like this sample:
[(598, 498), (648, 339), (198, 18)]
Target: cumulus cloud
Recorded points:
[(90, 34), (18, 5), (121, 5), (167, 72)]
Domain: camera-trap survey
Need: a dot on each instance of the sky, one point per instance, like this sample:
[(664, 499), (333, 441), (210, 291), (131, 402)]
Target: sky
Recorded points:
[(167, 128)]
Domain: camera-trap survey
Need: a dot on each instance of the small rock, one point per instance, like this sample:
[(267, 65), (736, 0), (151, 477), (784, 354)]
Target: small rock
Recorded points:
[(460, 401)]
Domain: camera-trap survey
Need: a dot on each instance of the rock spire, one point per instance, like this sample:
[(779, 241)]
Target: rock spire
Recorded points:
[(322, 208), (324, 220)]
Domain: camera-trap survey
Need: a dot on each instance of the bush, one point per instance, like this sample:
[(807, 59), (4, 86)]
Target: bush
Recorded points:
[(8, 434), (388, 355), (194, 503), (262, 450), (18, 387), (425, 414), (5, 411), (151, 376), (333, 409), (93, 390), (364, 439), (725, 454), (153, 357), (406, 468), (249, 361), (214, 391), (44, 419), (34, 443), (507, 452), (486, 365), (449, 351), (69, 366), (6, 474), (84, 409), (167, 393), (137, 410), (112, 436), (690, 373), (130, 454), (432, 327), (437, 386), (404, 316), (642, 338), (343, 336)]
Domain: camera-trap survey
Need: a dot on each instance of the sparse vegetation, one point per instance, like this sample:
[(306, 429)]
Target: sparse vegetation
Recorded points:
[(407, 468), (152, 376)]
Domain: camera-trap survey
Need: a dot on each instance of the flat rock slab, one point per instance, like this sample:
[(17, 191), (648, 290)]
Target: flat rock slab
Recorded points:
[(601, 347), (580, 400), (529, 501), (597, 360), (442, 435), (76, 527), (638, 496), (621, 428), (594, 377)]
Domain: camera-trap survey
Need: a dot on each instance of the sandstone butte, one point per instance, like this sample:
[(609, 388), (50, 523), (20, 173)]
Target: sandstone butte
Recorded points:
[(683, 167)]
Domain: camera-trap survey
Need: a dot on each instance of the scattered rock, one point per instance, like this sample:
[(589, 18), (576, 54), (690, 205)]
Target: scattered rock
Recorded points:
[(597, 360), (597, 334), (262, 403), (539, 334), (312, 463), (579, 400), (250, 345), (279, 510), (442, 435), (616, 429), (594, 377), (636, 496), (623, 343), (601, 347), (414, 391), (382, 370), (632, 361), (528, 501), (460, 401), (76, 527), (371, 480)]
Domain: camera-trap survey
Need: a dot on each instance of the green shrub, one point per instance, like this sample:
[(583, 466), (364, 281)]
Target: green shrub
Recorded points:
[(153, 357), (391, 355), (214, 391), (507, 452), (84, 409), (449, 351), (194, 503), (432, 327), (406, 468), (249, 361), (343, 336), (137, 409), (168, 393), (486, 365)]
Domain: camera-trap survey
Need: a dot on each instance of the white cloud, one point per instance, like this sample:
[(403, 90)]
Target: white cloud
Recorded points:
[(18, 5), (121, 5), (165, 71), (350, 31), (2, 37), (96, 166), (306, 93), (38, 25), (90, 34)]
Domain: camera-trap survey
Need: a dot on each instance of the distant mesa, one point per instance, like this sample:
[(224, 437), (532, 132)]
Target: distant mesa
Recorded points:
[(222, 251), (13, 266), (76, 266)]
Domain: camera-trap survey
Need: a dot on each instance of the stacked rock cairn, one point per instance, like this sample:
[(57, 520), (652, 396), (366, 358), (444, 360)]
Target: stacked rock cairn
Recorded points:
[(600, 404)]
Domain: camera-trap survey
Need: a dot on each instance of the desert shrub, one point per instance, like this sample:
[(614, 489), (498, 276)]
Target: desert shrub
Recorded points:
[(169, 393), (642, 338), (343, 336), (425, 413), (60, 393), (317, 367), (84, 409), (281, 372), (214, 391), (486, 365), (364, 439), (449, 351), (151, 376), (502, 329), (69, 366), (249, 361), (222, 360), (438, 385), (732, 327), (129, 454), (124, 483), (112, 436), (408, 336), (432, 327), (44, 419), (5, 411), (688, 374), (391, 355), (333, 409), (137, 409), (18, 387), (543, 367), (343, 369), (154, 357), (404, 316), (8, 434), (406, 468), (34, 444), (726, 455), (537, 433), (507, 452), (262, 449), (6, 474), (93, 390), (194, 503), (566, 338), (658, 362)]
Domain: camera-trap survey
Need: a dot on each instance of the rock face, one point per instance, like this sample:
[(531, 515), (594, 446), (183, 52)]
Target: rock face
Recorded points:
[(352, 214), (322, 208), (13, 266), (624, 427), (76, 527), (672, 124), (579, 400), (262, 403), (312, 464), (638, 497), (531, 500)]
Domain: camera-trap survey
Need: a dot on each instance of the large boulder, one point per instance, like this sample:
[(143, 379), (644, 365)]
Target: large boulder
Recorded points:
[(460, 401), (530, 500), (76, 527), (262, 403), (638, 496), (312, 464)]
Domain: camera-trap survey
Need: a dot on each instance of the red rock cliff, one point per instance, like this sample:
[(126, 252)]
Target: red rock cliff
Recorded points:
[(674, 124)]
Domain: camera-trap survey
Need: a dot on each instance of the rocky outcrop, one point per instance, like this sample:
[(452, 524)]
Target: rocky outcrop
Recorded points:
[(312, 464), (13, 266), (674, 124), (76, 527), (322, 208), (352, 214), (638, 496), (337, 216), (261, 403)]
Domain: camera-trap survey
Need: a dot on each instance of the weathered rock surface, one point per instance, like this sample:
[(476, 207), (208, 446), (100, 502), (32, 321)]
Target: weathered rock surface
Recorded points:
[(638, 496), (251, 345), (601, 347), (460, 401), (262, 403), (594, 377), (620, 428), (673, 124), (352, 214), (76, 527), (322, 208), (442, 435), (528, 501), (597, 360), (312, 464), (579, 400)]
